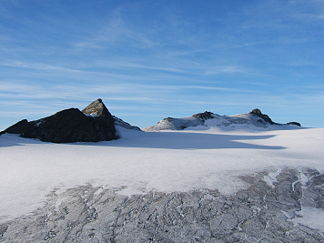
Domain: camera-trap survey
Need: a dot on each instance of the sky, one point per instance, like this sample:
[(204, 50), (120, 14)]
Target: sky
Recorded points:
[(150, 59)]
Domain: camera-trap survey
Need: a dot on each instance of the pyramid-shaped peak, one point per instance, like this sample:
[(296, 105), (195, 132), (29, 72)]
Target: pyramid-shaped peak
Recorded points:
[(97, 108)]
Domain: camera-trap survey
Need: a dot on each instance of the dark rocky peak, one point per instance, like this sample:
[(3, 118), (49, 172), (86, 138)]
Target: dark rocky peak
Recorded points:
[(70, 125), (204, 116), (256, 112), (266, 118), (98, 109)]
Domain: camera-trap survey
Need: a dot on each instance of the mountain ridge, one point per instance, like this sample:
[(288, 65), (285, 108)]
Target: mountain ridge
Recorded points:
[(254, 119), (95, 123)]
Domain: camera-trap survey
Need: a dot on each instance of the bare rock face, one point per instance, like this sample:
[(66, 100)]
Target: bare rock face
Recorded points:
[(97, 109), (70, 125), (204, 116), (265, 117)]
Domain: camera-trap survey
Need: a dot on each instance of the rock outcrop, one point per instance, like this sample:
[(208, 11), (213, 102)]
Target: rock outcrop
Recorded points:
[(94, 124), (97, 109), (205, 115), (266, 118)]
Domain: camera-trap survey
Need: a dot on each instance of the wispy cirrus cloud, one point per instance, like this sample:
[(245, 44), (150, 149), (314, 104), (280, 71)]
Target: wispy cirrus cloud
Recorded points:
[(138, 70), (121, 92), (37, 66), (116, 31), (225, 69)]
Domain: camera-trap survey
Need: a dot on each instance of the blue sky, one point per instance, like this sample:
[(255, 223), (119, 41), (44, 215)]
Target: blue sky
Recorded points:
[(151, 59)]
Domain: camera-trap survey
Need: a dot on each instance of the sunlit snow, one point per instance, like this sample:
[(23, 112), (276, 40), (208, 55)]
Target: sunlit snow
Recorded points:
[(142, 161)]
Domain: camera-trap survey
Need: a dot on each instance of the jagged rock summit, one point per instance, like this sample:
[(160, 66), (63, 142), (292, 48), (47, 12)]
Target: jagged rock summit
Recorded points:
[(93, 124), (97, 109), (265, 117), (255, 119)]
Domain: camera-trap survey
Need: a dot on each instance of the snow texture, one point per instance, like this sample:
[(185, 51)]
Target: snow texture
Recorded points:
[(311, 217), (142, 162), (259, 213)]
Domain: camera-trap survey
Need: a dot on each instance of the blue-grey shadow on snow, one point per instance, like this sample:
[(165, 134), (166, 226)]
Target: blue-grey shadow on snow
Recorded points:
[(186, 140), (7, 140), (162, 140)]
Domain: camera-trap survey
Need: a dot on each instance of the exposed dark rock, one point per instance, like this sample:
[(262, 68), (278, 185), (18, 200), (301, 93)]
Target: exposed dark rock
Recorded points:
[(265, 117), (294, 124), (70, 125), (20, 127), (205, 115)]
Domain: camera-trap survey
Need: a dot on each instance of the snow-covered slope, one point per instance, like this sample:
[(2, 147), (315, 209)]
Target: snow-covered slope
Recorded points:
[(253, 120), (144, 161), (121, 123)]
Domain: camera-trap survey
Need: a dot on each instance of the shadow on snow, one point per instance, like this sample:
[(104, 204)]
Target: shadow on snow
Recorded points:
[(162, 140)]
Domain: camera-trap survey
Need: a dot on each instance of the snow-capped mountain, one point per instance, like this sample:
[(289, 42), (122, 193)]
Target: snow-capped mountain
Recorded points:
[(252, 120)]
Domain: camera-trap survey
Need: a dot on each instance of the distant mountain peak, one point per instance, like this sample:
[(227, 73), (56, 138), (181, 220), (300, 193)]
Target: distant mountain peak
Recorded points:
[(256, 111), (265, 117), (255, 119)]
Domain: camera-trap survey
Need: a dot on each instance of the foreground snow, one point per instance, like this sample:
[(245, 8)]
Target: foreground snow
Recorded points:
[(141, 162), (259, 213)]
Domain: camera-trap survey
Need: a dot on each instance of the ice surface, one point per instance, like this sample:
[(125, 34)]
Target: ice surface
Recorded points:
[(143, 161), (311, 217), (271, 178)]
